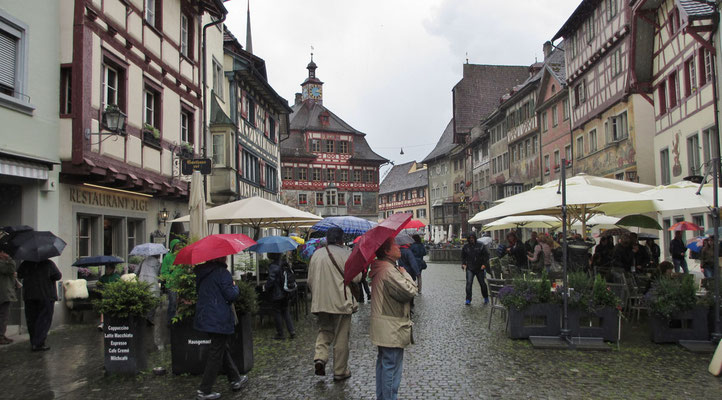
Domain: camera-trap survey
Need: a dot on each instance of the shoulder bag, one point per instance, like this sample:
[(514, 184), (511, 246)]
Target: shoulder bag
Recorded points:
[(354, 287)]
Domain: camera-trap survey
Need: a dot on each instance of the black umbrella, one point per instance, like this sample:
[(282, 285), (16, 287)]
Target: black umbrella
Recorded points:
[(97, 260), (37, 245), (7, 233)]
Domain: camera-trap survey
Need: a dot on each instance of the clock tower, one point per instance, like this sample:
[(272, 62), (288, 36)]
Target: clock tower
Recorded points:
[(312, 87)]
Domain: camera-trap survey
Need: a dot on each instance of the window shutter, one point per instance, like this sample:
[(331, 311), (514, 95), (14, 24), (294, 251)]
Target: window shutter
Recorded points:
[(8, 59)]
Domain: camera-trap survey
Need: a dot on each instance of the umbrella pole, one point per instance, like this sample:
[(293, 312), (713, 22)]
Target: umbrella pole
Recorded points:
[(565, 333), (716, 335)]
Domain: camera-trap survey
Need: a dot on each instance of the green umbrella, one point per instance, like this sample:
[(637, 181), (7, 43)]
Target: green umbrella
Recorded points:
[(639, 221)]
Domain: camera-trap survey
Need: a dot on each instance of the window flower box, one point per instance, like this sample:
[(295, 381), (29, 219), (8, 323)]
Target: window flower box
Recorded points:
[(151, 136), (186, 150)]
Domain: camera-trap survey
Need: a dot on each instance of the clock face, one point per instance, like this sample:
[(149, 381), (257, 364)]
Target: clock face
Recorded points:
[(315, 92)]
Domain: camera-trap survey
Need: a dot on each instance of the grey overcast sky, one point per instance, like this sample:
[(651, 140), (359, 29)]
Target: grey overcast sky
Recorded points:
[(388, 66)]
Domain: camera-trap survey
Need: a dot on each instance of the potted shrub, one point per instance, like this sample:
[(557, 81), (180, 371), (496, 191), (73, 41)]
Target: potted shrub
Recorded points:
[(593, 307), (676, 313), (124, 305), (151, 135), (533, 308), (242, 343), (186, 150)]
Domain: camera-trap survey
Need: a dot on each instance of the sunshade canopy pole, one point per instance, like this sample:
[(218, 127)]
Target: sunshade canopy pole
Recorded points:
[(565, 332)]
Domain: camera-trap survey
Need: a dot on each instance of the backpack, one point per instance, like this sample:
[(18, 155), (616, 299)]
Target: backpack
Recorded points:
[(289, 280)]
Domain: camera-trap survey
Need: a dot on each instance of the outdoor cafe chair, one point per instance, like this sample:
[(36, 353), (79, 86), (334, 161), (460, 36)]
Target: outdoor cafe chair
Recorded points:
[(495, 286)]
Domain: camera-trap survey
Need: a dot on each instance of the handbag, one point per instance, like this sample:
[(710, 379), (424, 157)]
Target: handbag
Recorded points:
[(355, 288)]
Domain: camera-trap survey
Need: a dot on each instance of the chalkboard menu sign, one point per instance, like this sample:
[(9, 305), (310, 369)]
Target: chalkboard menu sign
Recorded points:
[(124, 353)]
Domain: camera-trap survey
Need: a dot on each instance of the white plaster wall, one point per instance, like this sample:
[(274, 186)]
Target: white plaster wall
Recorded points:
[(171, 20), (112, 146), (151, 159), (134, 151), (135, 26), (65, 17), (151, 41), (170, 55), (135, 96), (644, 133), (171, 116), (116, 11)]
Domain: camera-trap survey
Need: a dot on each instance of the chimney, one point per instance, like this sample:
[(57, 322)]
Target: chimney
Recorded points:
[(299, 99), (547, 49)]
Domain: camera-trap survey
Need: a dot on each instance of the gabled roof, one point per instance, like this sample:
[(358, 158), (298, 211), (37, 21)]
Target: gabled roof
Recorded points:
[(583, 11), (555, 63), (444, 145), (477, 93), (305, 117), (399, 178)]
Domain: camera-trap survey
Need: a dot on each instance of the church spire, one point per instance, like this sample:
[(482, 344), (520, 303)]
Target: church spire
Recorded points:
[(249, 41)]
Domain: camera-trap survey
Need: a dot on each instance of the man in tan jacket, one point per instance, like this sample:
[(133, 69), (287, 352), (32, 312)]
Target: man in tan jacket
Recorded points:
[(332, 303)]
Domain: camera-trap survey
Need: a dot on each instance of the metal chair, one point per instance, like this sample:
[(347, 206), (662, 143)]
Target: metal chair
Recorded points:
[(495, 286)]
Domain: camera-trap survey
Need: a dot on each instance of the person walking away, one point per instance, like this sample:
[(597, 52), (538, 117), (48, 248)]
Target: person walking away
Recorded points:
[(409, 264), (474, 261), (677, 249), (166, 269), (109, 276), (654, 252), (40, 295), (419, 251), (531, 243), (215, 316), (279, 298), (516, 250), (7, 293), (365, 285), (391, 326), (332, 303), (707, 258)]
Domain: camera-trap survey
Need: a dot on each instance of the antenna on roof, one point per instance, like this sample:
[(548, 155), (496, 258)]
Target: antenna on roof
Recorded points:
[(467, 57), (311, 53)]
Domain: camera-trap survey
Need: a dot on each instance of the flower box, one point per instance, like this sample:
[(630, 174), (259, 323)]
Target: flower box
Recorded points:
[(150, 140), (602, 323), (124, 345), (535, 320), (683, 325)]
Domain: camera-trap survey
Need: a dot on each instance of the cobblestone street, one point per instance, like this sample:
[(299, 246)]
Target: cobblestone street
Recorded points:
[(455, 357)]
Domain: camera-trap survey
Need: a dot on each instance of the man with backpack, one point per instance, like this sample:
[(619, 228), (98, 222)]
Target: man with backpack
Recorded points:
[(281, 282)]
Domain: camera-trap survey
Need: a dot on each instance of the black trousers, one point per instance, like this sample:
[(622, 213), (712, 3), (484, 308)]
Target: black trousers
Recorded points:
[(39, 316), (366, 289), (282, 314), (219, 353), (481, 277)]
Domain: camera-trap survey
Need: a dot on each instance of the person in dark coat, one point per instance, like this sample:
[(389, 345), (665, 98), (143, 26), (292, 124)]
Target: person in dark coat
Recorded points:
[(604, 251), (40, 294), (677, 250), (215, 316), (516, 250), (654, 252), (7, 293), (623, 256), (419, 251), (279, 298), (475, 260)]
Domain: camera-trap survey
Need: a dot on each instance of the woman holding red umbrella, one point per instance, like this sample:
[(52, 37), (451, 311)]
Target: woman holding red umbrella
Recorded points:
[(390, 317)]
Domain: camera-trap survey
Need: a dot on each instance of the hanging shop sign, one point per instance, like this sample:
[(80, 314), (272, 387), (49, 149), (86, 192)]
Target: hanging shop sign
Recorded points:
[(197, 164)]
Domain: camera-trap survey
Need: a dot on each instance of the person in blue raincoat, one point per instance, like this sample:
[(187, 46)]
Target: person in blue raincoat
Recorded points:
[(215, 316)]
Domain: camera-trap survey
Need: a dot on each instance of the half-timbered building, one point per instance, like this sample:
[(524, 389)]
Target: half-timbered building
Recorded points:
[(328, 167), (597, 56), (405, 189), (141, 60)]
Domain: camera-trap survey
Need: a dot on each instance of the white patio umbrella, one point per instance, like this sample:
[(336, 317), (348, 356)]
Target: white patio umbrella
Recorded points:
[(197, 208), (586, 196), (523, 221), (682, 196)]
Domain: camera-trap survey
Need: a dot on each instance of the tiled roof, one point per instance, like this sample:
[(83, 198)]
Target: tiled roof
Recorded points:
[(444, 145), (584, 10), (294, 146), (697, 9), (478, 92), (555, 63), (399, 178), (305, 117)]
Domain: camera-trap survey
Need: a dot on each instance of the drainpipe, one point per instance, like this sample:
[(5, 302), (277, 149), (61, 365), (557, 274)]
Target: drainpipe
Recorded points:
[(204, 67)]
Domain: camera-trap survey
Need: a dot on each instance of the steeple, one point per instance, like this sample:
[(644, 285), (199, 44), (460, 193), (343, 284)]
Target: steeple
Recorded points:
[(312, 87), (249, 41)]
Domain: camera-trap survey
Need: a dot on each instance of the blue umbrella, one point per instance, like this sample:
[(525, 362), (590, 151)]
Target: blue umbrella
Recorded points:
[(97, 260), (310, 247), (695, 244), (350, 225), (274, 244)]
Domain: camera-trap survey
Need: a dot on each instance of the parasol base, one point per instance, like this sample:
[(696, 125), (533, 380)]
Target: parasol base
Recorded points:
[(699, 346), (571, 343)]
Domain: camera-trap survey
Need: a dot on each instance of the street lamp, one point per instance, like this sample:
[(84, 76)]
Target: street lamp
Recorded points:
[(113, 120), (163, 216)]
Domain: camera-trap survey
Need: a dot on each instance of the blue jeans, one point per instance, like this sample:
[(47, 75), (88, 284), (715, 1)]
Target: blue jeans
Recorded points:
[(680, 262), (481, 277), (708, 272), (389, 365)]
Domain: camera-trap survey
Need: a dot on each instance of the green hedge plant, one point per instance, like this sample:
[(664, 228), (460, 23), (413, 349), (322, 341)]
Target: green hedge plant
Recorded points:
[(123, 299)]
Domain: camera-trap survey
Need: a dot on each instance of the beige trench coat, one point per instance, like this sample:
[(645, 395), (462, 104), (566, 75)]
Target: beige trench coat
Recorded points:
[(392, 291), (326, 283)]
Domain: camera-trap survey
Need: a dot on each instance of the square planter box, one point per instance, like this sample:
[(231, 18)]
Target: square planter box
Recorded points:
[(686, 325), (604, 323), (124, 346), (189, 347), (535, 320)]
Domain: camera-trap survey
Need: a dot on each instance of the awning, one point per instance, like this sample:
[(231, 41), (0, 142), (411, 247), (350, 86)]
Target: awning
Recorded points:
[(23, 169)]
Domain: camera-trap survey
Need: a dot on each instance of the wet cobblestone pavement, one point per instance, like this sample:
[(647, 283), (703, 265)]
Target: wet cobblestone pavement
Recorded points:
[(456, 357)]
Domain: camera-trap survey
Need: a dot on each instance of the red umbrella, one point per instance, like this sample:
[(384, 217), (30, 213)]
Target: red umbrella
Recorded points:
[(213, 246), (685, 226), (414, 224), (365, 250)]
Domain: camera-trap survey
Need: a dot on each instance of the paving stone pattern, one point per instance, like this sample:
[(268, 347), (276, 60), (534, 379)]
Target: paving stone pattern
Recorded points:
[(455, 357)]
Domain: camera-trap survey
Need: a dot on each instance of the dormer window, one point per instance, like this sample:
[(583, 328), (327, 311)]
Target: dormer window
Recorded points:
[(323, 118)]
